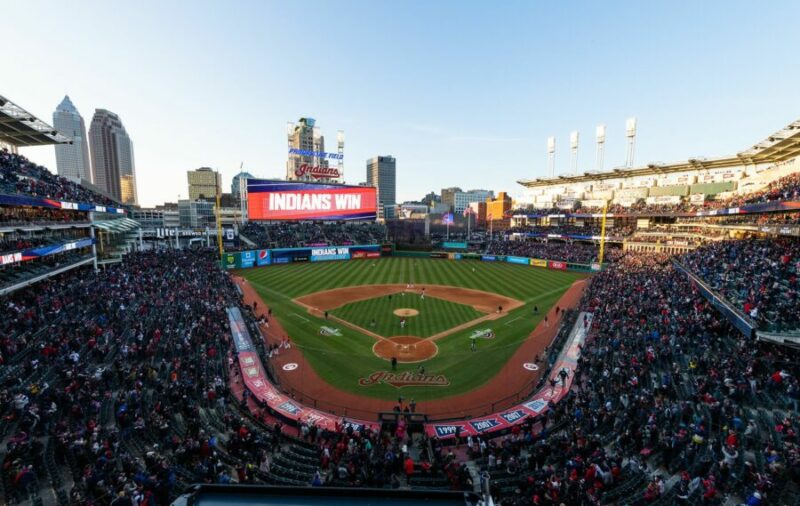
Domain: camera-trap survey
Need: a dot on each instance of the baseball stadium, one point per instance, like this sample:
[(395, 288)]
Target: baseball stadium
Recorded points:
[(639, 327), (594, 337)]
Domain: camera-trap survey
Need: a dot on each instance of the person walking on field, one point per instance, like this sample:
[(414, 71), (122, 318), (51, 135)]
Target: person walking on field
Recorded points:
[(394, 363), (473, 343), (422, 295)]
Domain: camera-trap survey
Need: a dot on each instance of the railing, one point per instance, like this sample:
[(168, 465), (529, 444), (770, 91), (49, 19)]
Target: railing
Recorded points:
[(737, 318)]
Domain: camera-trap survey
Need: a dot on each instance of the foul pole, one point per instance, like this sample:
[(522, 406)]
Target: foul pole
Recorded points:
[(219, 222), (603, 234)]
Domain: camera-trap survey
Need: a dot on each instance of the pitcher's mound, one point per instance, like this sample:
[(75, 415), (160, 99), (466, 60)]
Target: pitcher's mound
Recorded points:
[(405, 312), (405, 349)]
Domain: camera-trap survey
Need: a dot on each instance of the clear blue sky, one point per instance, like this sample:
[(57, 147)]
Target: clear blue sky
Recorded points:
[(460, 92)]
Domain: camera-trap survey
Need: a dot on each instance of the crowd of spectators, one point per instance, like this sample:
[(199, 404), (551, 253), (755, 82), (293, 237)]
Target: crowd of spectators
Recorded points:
[(11, 216), (300, 234), (550, 250), (785, 188), (20, 175), (568, 229), (120, 379), (760, 277), (16, 242), (667, 406)]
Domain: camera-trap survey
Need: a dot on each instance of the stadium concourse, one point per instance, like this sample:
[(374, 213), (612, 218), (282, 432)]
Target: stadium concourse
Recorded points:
[(120, 385)]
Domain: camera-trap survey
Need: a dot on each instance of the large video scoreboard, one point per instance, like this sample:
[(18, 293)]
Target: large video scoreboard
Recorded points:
[(293, 200)]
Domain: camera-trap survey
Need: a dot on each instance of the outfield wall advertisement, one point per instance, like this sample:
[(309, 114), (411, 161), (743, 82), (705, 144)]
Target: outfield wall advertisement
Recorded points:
[(293, 200), (262, 257)]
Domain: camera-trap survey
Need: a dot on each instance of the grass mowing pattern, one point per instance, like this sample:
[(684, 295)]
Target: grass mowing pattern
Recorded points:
[(343, 360), (435, 315)]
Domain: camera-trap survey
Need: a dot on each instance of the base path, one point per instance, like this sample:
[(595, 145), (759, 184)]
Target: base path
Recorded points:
[(512, 384), (319, 303), (485, 302)]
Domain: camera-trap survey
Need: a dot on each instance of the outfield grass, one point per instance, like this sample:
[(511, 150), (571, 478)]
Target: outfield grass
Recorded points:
[(343, 360), (435, 315)]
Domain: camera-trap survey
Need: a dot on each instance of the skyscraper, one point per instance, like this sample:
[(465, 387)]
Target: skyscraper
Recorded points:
[(72, 160), (203, 184), (382, 174), (112, 157), (308, 160), (236, 183)]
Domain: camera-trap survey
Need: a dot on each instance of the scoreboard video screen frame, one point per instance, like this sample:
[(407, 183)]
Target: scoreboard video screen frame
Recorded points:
[(275, 200)]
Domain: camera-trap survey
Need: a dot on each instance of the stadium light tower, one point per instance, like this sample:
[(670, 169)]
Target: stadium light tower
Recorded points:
[(600, 136), (340, 146), (551, 156), (630, 133), (574, 137)]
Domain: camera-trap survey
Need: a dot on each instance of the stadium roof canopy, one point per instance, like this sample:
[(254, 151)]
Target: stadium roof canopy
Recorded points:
[(19, 128), (782, 145), (117, 226)]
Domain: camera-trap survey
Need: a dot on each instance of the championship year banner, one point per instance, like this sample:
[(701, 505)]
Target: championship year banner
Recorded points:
[(294, 200)]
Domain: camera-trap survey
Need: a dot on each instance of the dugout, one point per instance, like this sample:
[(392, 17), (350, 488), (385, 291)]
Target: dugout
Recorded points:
[(251, 495)]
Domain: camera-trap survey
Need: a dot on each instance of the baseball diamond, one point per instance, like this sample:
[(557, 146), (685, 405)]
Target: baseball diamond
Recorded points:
[(362, 299)]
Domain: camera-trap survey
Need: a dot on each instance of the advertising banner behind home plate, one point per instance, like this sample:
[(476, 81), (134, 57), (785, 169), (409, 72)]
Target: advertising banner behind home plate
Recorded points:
[(292, 200), (536, 405)]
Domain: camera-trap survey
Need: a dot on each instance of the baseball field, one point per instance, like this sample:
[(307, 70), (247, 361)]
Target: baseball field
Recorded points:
[(451, 326)]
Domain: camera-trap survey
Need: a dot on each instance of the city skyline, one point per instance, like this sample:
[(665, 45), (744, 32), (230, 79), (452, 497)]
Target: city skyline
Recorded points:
[(112, 156), (456, 109), (72, 160)]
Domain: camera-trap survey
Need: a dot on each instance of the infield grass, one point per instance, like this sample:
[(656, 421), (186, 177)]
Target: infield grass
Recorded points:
[(343, 360), (435, 315)]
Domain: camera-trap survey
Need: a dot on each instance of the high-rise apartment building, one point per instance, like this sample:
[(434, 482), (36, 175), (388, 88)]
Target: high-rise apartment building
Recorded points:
[(112, 156), (203, 184), (461, 200), (72, 160), (308, 160), (382, 174), (237, 182), (449, 196)]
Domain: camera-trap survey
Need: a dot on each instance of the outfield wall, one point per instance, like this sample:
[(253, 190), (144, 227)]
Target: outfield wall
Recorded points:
[(261, 257)]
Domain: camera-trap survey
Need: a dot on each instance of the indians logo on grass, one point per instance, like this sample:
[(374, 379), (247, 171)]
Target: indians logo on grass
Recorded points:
[(405, 379)]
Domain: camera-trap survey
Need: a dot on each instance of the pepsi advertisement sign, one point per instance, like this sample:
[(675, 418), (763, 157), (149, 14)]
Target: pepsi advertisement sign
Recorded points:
[(264, 257)]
